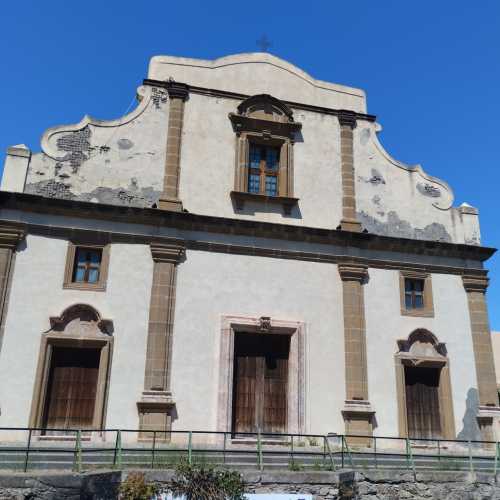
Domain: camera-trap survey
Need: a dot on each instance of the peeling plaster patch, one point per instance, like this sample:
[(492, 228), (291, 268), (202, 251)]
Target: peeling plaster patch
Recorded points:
[(76, 144), (428, 190), (50, 189), (144, 197), (132, 196), (396, 227), (158, 96), (125, 144), (364, 136), (474, 240), (375, 179)]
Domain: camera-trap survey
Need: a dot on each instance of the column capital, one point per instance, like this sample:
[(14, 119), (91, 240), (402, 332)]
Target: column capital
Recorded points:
[(475, 282), (168, 252), (11, 235), (353, 272), (347, 118), (177, 90)]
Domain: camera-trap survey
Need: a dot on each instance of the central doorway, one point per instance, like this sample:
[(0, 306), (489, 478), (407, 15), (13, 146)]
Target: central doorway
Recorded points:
[(72, 388), (422, 402), (260, 384)]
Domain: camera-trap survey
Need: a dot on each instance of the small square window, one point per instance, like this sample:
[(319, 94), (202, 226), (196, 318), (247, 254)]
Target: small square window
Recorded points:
[(416, 294), (86, 267)]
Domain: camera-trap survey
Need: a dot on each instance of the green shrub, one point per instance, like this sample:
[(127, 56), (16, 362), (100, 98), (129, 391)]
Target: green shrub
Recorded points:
[(135, 487), (205, 482)]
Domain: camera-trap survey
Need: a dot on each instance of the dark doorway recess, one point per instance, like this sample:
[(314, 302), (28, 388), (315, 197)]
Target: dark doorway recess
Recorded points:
[(422, 402), (260, 383), (72, 388)]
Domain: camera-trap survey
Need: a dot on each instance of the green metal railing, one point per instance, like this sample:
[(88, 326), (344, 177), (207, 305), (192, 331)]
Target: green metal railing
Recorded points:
[(83, 449)]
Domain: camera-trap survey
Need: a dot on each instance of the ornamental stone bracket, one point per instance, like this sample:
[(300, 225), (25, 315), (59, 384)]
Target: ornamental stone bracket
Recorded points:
[(353, 272), (358, 417), (170, 253), (11, 235), (156, 401), (475, 282)]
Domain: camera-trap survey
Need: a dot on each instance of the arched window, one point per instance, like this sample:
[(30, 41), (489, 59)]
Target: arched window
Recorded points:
[(266, 133)]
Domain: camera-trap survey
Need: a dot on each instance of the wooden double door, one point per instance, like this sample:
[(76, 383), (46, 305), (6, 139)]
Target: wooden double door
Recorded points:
[(72, 388), (260, 384)]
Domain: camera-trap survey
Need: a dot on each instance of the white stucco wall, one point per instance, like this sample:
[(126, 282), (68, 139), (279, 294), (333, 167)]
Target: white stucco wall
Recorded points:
[(385, 325), (257, 73), (208, 166), (210, 285), (395, 199), (37, 294), (118, 162)]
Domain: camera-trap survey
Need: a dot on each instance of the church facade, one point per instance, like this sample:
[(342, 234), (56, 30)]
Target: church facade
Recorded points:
[(239, 253)]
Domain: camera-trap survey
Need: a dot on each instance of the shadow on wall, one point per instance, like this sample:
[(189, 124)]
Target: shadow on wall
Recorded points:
[(470, 429)]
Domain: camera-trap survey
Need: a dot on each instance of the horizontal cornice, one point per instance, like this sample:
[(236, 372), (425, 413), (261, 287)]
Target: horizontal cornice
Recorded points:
[(240, 97), (186, 221)]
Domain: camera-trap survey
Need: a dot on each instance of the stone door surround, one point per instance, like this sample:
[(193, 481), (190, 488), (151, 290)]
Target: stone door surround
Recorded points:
[(79, 326), (422, 349), (231, 325)]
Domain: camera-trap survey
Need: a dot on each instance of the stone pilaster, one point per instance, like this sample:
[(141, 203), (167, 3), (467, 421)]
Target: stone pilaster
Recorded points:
[(10, 236), (157, 401), (475, 285), (357, 412), (169, 199), (349, 222)]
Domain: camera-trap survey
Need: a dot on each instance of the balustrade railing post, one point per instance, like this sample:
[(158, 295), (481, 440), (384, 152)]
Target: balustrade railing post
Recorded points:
[(332, 462), (224, 449), (117, 457), (190, 449), (471, 465), (26, 459), (259, 451), (291, 449), (375, 450), (78, 452), (153, 449), (342, 453)]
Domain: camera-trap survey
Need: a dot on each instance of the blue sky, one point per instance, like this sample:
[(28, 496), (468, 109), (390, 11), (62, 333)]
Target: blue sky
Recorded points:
[(431, 70)]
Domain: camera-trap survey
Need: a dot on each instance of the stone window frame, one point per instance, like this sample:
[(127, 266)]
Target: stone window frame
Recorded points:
[(296, 390), (100, 286), (428, 310), (99, 336), (265, 120), (439, 360)]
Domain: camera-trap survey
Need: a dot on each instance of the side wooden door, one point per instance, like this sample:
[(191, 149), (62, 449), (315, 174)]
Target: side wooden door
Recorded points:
[(72, 388)]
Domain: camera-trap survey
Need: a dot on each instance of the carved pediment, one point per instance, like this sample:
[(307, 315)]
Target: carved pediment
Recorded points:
[(422, 347), (81, 320), (264, 112)]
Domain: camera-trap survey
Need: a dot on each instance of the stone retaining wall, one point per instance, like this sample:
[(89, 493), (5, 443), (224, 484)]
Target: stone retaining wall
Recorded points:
[(368, 485)]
